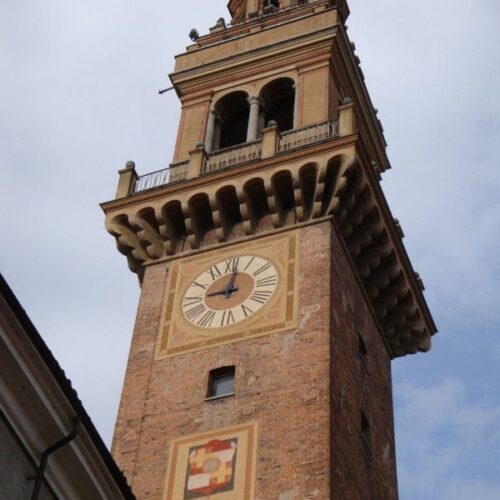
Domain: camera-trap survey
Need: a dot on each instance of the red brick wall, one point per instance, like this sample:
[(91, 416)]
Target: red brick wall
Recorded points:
[(282, 381), (358, 472)]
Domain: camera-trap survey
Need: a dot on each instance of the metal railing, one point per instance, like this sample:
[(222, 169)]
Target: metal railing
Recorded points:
[(233, 156), (237, 155), (308, 135), (175, 172)]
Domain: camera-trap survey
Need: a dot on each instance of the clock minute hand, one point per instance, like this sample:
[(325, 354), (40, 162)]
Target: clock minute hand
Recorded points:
[(233, 279), (230, 286), (221, 292)]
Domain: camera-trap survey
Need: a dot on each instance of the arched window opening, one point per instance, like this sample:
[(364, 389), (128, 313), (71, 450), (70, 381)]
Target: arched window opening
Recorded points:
[(270, 6), (231, 125), (278, 102)]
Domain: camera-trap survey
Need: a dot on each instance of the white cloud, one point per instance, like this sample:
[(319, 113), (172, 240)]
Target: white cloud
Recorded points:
[(446, 442), (458, 489)]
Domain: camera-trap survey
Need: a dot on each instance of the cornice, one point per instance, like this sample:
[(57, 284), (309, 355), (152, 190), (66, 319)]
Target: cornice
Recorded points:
[(271, 49), (254, 166), (346, 66), (261, 23), (333, 178)]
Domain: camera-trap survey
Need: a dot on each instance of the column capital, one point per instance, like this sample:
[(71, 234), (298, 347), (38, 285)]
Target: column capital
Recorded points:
[(254, 100)]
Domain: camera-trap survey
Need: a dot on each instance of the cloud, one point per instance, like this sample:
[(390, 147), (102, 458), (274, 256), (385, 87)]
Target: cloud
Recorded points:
[(446, 441)]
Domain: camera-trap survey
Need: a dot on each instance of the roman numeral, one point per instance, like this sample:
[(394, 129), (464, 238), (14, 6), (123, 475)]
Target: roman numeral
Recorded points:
[(232, 265), (248, 263), (260, 296), (194, 312), (268, 281), (227, 318), (189, 301), (265, 267), (214, 272), (200, 285), (246, 310), (206, 319)]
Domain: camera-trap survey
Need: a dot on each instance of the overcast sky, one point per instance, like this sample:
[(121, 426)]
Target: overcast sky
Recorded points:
[(78, 98)]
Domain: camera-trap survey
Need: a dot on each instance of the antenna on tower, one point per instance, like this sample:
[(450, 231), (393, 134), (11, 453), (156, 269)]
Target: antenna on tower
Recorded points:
[(161, 92)]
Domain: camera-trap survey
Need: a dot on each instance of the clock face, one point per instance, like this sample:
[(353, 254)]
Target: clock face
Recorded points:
[(229, 291)]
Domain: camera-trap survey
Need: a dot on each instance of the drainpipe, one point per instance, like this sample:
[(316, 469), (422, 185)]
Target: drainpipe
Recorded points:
[(45, 457)]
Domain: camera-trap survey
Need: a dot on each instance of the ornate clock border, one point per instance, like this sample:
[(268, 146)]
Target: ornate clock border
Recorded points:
[(178, 335)]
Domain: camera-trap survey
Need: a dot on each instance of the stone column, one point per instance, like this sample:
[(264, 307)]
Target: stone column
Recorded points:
[(253, 119), (209, 135), (296, 106)]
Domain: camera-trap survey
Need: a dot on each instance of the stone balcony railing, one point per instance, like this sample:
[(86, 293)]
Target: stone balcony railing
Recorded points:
[(271, 143), (235, 155), (308, 135)]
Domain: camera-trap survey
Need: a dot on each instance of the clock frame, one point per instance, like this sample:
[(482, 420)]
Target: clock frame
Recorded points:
[(230, 291), (192, 321)]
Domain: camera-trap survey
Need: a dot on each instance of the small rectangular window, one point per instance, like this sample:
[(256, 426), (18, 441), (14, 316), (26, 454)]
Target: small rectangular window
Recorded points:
[(363, 354), (221, 382), (365, 432)]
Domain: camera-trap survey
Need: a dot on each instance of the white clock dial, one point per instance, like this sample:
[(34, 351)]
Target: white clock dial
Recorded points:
[(229, 291)]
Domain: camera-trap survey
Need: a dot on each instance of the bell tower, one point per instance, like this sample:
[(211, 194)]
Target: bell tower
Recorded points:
[(275, 287)]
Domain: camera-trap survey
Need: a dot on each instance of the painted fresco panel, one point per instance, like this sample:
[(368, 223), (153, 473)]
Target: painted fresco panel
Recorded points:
[(219, 465)]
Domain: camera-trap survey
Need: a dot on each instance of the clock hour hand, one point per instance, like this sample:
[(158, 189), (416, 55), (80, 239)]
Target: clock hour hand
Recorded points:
[(228, 289)]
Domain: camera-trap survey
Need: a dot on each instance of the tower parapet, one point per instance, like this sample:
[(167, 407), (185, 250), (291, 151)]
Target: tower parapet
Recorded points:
[(243, 10)]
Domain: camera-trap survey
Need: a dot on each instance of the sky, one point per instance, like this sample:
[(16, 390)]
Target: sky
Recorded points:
[(78, 98)]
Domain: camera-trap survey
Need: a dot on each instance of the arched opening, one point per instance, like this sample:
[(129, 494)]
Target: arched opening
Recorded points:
[(231, 125), (268, 7), (278, 102)]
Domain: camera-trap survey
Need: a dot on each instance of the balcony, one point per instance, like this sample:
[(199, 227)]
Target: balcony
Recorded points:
[(229, 157), (308, 135), (175, 172), (202, 163)]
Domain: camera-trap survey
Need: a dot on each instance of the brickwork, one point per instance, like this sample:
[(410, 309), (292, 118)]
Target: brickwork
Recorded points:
[(360, 470), (282, 382)]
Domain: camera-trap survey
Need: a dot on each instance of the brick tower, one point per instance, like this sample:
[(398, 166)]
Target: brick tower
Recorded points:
[(275, 285)]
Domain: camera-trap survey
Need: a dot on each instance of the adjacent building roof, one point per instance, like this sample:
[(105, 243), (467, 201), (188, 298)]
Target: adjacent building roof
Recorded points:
[(40, 406)]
